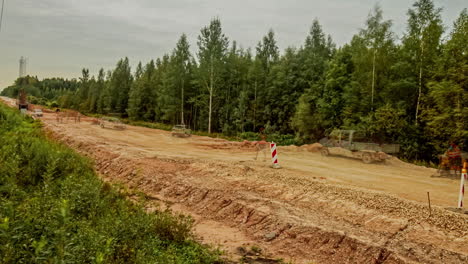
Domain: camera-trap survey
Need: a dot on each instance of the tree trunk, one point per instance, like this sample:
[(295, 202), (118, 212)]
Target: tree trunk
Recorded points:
[(209, 111), (211, 95), (373, 81), (255, 105), (228, 101), (182, 105), (420, 82), (195, 120)]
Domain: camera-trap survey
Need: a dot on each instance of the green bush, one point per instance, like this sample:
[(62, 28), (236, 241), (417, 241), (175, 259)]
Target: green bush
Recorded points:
[(54, 209), (53, 104), (282, 140), (250, 136), (37, 100)]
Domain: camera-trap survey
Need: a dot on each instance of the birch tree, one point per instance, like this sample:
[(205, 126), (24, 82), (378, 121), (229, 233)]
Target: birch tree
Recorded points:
[(212, 48), (422, 42), (378, 38)]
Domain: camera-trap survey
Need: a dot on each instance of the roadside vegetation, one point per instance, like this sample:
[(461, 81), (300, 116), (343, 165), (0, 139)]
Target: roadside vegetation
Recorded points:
[(410, 89), (279, 139), (282, 140), (54, 209)]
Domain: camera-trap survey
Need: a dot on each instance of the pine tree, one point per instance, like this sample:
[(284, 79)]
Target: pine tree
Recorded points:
[(285, 90), (316, 52), (337, 80), (267, 57), (82, 93), (447, 114), (181, 62), (120, 83), (138, 71), (167, 99), (314, 56), (135, 95), (98, 90), (106, 100)]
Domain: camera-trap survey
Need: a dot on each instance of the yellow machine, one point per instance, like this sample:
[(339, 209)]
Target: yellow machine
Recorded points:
[(450, 164)]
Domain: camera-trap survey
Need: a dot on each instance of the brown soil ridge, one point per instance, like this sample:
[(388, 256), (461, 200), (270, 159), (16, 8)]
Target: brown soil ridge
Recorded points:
[(292, 218)]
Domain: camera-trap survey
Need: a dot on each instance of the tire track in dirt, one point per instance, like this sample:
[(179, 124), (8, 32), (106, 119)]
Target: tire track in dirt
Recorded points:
[(290, 217)]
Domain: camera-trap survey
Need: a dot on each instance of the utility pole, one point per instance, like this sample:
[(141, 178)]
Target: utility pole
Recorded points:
[(1, 15)]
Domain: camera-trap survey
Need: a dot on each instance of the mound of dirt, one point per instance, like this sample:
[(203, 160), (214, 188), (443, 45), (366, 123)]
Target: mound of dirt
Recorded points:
[(314, 209), (315, 147), (47, 110), (296, 218), (290, 148), (394, 161)]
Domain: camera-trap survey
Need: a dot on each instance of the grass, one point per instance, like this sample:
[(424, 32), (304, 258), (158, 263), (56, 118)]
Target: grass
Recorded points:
[(54, 209)]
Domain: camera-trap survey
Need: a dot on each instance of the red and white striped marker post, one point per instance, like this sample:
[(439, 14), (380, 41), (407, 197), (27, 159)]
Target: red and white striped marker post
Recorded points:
[(274, 156), (464, 177)]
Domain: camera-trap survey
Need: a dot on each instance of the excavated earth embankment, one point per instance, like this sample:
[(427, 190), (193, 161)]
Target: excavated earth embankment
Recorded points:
[(300, 220)]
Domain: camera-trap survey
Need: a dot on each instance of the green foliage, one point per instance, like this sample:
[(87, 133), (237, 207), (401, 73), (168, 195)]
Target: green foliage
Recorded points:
[(54, 209), (421, 47), (181, 72), (376, 57), (446, 113), (386, 124), (307, 119), (119, 87), (141, 96)]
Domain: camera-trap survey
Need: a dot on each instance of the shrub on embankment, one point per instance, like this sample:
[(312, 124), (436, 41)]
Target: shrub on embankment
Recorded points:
[(54, 209)]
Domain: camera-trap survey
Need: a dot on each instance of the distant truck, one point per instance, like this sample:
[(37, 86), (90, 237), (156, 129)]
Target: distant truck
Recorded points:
[(111, 122), (351, 143), (181, 131), (38, 112)]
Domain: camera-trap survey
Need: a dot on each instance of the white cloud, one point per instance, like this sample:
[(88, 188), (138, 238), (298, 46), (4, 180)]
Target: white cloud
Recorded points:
[(61, 36)]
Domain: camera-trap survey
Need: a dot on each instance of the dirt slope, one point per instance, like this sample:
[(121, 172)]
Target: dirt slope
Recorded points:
[(315, 209)]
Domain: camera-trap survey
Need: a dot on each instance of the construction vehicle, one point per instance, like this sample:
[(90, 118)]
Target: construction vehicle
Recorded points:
[(22, 101), (181, 131), (352, 143), (38, 112), (450, 163), (111, 122)]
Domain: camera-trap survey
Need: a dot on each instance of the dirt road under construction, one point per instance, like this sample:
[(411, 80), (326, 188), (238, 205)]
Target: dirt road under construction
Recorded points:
[(314, 210)]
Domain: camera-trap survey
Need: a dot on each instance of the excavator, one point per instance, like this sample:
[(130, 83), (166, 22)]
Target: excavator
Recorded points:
[(451, 161)]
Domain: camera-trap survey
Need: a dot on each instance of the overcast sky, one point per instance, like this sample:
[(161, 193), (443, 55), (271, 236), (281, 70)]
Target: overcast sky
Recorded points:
[(59, 37)]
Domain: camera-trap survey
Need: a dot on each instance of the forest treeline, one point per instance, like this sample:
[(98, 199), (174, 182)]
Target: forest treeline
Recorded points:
[(409, 89)]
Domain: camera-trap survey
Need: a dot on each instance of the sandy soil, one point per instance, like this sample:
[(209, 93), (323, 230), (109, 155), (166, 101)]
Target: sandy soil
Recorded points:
[(314, 209)]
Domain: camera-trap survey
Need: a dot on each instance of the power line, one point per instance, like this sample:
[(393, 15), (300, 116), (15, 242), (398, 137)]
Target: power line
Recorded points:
[(1, 15)]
